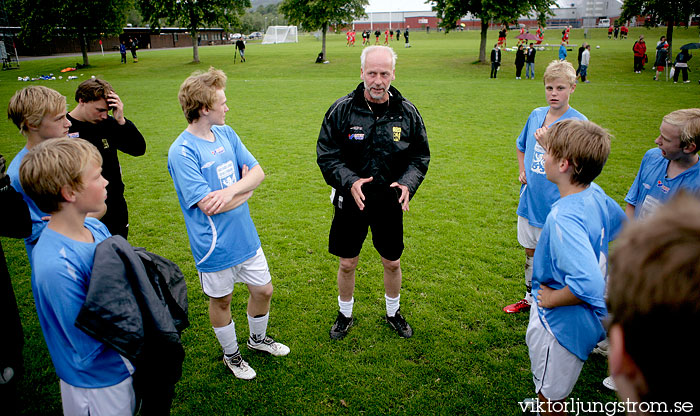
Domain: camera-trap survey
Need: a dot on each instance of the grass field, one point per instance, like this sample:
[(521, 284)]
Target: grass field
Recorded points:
[(462, 262)]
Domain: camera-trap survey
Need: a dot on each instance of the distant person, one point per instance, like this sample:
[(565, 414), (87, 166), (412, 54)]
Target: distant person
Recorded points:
[(133, 45), (681, 65), (530, 62), (669, 167), (653, 291), (90, 120), (386, 37), (562, 51), (63, 177), (502, 37), (40, 114), (661, 59), (580, 55), (568, 281), (122, 51), (405, 36), (347, 35), (377, 33), (15, 222), (391, 35), (640, 49), (240, 45), (623, 32), (373, 151), (495, 61), (519, 61), (539, 34), (610, 31), (214, 176), (537, 194), (398, 34), (617, 31), (585, 61)]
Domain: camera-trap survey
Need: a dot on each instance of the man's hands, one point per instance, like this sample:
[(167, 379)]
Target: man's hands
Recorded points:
[(117, 107), (403, 199), (216, 201), (356, 191)]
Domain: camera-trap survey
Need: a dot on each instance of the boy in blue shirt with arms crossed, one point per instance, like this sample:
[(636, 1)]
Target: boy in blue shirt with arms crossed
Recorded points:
[(570, 261), (537, 194), (64, 177), (214, 175)]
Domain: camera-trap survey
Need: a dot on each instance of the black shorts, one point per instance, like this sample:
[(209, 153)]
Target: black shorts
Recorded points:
[(382, 214)]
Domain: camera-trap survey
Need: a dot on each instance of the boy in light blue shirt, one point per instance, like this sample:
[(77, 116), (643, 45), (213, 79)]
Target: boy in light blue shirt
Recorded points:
[(570, 262), (214, 175), (64, 178), (672, 166), (537, 194)]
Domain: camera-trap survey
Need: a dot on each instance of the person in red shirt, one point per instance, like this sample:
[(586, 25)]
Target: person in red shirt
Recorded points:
[(640, 50), (610, 30), (386, 37)]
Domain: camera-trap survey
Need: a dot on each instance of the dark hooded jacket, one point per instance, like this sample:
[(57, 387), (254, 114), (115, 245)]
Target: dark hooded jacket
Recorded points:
[(354, 144)]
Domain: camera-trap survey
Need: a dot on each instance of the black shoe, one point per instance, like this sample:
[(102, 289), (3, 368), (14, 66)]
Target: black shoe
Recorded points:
[(399, 324), (341, 326)]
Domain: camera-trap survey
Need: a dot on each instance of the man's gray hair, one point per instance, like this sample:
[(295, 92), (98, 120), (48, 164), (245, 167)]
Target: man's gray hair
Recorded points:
[(375, 48)]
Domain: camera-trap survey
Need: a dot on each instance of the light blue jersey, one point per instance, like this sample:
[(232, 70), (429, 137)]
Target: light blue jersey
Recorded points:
[(573, 251), (651, 187), (36, 214), (199, 167), (61, 272), (538, 195)]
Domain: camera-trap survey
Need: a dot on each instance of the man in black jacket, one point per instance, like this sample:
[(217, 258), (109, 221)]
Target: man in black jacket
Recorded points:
[(495, 60), (373, 150), (91, 121), (530, 62)]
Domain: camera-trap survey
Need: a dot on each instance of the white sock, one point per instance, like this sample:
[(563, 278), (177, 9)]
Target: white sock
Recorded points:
[(227, 338), (258, 327), (392, 305), (346, 307), (528, 278)]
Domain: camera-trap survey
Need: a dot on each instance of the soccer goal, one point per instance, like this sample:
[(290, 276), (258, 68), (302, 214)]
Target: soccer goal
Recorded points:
[(280, 34)]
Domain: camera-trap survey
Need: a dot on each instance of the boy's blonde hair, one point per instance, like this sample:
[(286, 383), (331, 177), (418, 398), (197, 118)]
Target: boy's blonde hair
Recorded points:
[(53, 164), (199, 91), (30, 105), (560, 70), (688, 122), (654, 291), (584, 144)]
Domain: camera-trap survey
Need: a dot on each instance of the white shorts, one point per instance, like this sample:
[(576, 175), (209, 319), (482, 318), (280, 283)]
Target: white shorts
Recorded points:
[(253, 271), (554, 369), (117, 400), (528, 235)]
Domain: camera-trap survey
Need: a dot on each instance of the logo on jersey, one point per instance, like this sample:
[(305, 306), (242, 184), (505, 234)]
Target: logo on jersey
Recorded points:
[(664, 188), (538, 159), (397, 133), (356, 136), (74, 135), (226, 174), (218, 150)]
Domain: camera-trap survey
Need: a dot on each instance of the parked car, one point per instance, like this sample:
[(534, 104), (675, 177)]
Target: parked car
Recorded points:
[(604, 23), (236, 36), (255, 35)]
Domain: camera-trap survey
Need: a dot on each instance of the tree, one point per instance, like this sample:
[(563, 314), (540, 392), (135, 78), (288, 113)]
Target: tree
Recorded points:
[(40, 20), (670, 12), (319, 14), (193, 14), (450, 11)]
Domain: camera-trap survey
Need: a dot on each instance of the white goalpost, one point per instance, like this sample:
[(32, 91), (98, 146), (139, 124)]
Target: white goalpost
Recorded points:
[(280, 34)]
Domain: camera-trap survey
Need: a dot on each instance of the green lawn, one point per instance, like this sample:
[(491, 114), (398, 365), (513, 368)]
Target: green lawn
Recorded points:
[(462, 262)]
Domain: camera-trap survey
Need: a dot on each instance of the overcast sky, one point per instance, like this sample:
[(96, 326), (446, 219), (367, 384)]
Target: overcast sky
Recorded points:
[(397, 5)]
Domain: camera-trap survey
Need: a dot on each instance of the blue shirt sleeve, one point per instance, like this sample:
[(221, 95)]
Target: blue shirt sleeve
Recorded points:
[(186, 172)]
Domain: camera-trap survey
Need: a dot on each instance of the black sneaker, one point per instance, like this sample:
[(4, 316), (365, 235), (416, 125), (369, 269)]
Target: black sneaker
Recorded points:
[(399, 324), (341, 326)]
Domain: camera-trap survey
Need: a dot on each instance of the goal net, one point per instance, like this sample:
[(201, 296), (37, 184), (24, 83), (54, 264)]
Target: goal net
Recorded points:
[(280, 34)]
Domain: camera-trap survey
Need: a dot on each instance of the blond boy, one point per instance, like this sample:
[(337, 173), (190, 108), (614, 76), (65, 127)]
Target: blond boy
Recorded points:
[(64, 177), (537, 194), (570, 261), (214, 175), (40, 114)]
